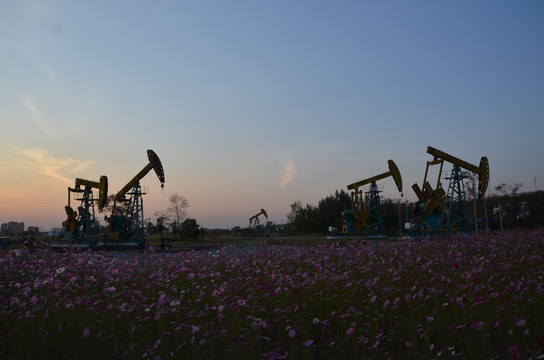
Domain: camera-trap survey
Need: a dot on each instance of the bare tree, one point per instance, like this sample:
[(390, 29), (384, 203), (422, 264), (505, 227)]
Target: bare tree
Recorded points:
[(508, 190), (471, 186), (178, 204)]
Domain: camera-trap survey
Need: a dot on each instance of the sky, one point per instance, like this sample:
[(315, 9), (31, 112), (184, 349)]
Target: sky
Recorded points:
[(258, 104)]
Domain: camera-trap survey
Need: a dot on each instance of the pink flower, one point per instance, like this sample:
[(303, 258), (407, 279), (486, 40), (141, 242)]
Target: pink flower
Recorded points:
[(477, 324), (461, 301), (513, 350), (408, 344), (308, 343), (350, 331), (162, 300)]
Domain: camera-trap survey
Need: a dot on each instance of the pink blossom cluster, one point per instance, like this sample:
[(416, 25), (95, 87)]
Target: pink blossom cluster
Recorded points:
[(477, 296)]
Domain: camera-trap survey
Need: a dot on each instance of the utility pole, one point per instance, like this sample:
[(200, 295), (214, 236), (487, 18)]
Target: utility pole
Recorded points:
[(474, 201), (485, 205), (400, 221), (500, 211)]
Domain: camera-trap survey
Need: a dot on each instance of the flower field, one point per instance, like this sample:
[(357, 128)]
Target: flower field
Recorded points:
[(475, 297)]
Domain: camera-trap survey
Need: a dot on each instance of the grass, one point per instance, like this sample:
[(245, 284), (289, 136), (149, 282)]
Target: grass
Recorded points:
[(477, 297)]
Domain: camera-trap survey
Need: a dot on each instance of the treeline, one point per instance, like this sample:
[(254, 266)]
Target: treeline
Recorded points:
[(506, 211), (511, 211), (311, 219)]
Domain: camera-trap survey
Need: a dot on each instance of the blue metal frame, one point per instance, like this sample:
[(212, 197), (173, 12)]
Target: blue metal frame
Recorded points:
[(134, 219), (456, 210), (374, 208)]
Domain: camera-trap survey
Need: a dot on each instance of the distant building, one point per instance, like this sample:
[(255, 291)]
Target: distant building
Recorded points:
[(33, 229), (12, 228)]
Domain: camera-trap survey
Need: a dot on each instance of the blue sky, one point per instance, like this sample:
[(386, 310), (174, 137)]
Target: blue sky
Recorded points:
[(257, 104)]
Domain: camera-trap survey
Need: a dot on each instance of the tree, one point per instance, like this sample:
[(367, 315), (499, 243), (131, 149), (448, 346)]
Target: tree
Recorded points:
[(471, 186), (330, 210), (508, 190), (511, 209), (317, 219), (304, 219), (113, 206), (178, 204), (295, 210), (190, 229), (149, 227), (162, 219)]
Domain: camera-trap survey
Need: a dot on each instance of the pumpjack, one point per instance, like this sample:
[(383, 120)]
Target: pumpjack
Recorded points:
[(126, 224), (254, 222), (438, 211), (366, 214), (81, 229)]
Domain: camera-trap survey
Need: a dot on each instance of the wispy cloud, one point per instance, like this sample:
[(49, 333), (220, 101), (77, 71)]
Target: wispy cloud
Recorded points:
[(288, 170), (42, 162), (38, 60), (36, 114)]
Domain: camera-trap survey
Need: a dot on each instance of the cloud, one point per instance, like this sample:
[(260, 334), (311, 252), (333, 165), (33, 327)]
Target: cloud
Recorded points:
[(288, 170), (36, 115), (42, 162), (40, 63)]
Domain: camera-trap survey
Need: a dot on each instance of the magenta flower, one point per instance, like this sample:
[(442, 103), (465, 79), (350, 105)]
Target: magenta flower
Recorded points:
[(513, 350), (386, 303), (350, 331), (477, 324)]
